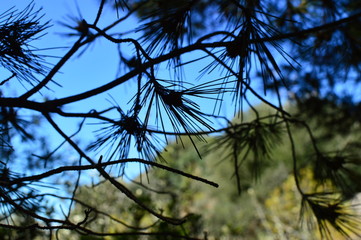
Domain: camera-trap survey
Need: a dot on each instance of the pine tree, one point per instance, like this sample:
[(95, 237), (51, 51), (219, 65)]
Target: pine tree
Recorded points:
[(303, 52)]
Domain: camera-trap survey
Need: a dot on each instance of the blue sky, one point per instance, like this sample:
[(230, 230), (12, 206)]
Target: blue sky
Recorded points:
[(98, 64), (80, 73)]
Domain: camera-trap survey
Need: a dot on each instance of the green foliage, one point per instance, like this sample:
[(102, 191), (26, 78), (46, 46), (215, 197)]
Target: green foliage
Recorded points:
[(267, 207)]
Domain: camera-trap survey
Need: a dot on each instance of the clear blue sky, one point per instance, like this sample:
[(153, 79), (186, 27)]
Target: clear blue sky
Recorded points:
[(81, 73), (98, 65)]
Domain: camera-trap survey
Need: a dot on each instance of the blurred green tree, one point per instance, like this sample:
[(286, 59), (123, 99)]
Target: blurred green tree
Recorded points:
[(268, 208)]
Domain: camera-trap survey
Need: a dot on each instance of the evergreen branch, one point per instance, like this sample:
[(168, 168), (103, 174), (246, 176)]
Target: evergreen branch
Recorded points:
[(103, 165), (114, 182)]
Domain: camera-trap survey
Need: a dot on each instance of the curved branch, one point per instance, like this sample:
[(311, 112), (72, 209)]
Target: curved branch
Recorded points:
[(55, 69), (114, 182), (187, 49), (102, 165)]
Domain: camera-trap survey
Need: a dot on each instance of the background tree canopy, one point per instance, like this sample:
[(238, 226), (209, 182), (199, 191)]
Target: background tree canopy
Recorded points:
[(187, 74), (266, 209)]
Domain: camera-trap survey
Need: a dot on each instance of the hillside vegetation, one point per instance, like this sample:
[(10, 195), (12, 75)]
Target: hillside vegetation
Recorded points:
[(264, 205)]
